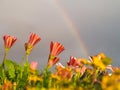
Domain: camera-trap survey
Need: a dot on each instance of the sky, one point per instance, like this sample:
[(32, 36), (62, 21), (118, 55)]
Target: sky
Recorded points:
[(83, 27)]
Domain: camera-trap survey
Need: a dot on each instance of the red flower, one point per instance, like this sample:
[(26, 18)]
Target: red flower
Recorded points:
[(34, 39), (9, 41), (74, 62), (55, 49)]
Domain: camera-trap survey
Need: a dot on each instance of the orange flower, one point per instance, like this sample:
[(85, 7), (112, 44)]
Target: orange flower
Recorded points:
[(74, 62), (55, 49), (34, 39), (59, 67), (80, 70), (7, 86), (9, 41), (64, 72)]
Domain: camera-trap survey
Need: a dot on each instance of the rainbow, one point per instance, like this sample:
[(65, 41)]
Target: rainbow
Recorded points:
[(73, 29)]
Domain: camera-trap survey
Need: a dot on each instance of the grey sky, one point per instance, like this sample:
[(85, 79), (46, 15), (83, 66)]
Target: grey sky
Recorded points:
[(98, 23)]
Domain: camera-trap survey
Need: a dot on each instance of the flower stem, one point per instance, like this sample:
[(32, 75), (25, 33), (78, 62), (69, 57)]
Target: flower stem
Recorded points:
[(4, 61), (27, 57)]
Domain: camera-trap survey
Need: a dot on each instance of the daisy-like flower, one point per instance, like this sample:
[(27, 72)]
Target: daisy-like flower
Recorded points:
[(77, 65), (100, 61), (74, 62), (9, 41), (64, 72), (80, 70), (55, 49), (33, 39)]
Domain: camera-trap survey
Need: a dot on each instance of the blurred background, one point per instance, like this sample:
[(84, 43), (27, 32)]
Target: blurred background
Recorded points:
[(84, 27)]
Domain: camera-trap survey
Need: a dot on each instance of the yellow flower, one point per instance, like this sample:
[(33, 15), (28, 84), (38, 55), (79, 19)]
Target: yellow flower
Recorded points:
[(100, 61), (33, 78), (55, 76), (111, 82)]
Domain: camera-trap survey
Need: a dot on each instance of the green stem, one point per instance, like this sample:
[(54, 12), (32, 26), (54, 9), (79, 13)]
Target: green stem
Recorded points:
[(47, 79), (96, 75), (27, 63), (4, 61), (76, 77), (27, 57), (23, 58), (97, 72)]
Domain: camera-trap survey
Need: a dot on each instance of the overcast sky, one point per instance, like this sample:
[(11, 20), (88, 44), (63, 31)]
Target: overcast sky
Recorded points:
[(97, 23)]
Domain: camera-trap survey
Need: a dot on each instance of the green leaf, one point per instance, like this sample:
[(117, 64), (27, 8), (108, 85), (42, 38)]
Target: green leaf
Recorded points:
[(46, 79), (1, 74), (23, 76), (10, 69), (107, 61)]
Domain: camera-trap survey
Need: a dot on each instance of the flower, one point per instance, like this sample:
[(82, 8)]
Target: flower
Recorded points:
[(74, 62), (77, 65), (55, 49), (109, 67), (100, 56), (7, 85), (116, 70), (100, 61), (80, 70), (55, 76), (51, 62), (111, 82), (59, 67), (9, 41), (33, 39), (33, 78), (33, 65), (64, 72)]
